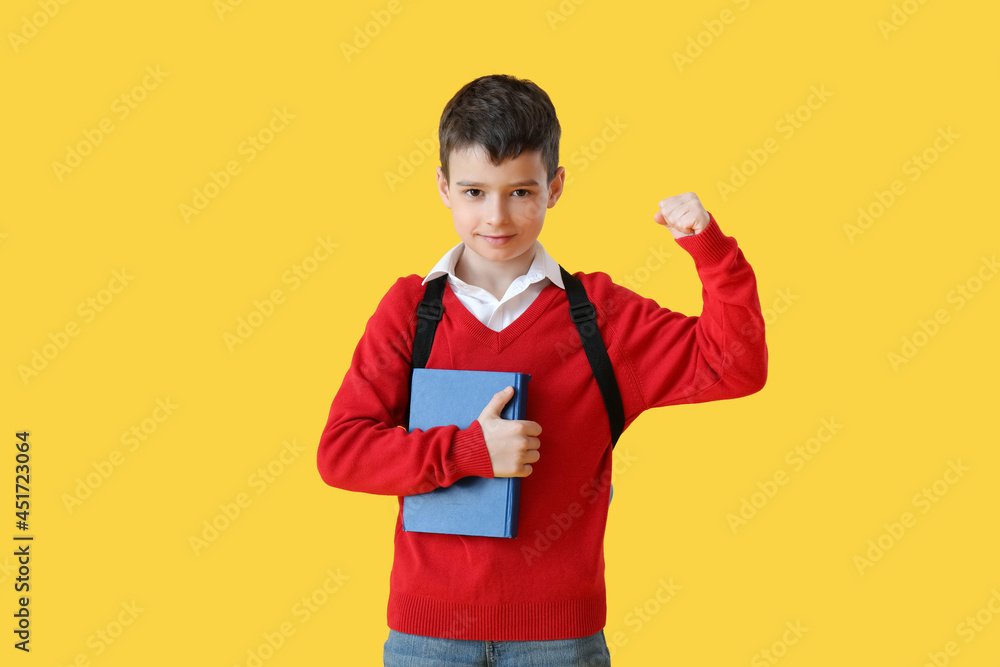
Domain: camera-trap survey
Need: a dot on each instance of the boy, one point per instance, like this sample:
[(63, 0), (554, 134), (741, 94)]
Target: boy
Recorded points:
[(535, 600)]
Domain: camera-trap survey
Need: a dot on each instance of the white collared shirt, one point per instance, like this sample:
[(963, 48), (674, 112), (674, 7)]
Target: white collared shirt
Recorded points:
[(497, 314)]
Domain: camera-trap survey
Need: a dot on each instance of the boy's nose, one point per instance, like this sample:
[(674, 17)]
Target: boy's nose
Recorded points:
[(496, 213)]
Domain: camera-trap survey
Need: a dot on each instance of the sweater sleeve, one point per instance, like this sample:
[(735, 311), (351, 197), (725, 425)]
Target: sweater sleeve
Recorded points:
[(720, 354), (365, 446)]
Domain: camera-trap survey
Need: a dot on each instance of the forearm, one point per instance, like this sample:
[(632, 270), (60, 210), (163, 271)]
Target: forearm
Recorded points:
[(728, 336), (363, 454), (719, 354)]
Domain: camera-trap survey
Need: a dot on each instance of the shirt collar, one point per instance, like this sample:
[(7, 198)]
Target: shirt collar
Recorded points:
[(542, 266)]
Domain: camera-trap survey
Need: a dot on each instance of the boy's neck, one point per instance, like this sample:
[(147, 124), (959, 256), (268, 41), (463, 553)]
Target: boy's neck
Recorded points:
[(494, 277)]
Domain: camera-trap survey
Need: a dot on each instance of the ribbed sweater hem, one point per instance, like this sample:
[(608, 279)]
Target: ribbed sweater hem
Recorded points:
[(513, 621)]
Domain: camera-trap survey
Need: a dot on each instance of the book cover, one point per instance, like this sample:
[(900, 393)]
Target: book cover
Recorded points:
[(473, 505)]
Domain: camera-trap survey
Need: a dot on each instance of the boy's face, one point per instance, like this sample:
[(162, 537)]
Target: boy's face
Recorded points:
[(498, 211)]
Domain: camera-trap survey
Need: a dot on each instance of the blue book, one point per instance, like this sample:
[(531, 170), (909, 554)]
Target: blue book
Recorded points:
[(473, 505)]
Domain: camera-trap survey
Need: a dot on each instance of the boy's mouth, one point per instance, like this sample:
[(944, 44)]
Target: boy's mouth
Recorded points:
[(497, 240)]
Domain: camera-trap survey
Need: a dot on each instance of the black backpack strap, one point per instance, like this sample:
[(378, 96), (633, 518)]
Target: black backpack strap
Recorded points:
[(429, 313), (584, 315)]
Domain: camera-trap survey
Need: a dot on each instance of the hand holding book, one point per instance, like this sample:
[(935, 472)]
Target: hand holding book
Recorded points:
[(512, 443)]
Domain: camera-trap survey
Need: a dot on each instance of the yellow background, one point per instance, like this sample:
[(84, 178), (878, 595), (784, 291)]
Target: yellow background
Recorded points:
[(838, 309)]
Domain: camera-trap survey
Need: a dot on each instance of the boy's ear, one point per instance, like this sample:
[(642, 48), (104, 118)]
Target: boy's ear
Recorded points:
[(556, 187), (442, 184)]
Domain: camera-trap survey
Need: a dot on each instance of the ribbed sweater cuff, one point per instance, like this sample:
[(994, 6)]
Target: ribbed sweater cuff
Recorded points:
[(709, 246), (469, 455)]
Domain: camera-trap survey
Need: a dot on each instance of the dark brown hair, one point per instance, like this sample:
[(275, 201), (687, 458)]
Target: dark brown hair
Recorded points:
[(506, 116)]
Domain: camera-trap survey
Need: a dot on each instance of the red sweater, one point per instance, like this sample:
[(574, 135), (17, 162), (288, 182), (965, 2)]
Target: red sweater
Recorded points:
[(548, 583)]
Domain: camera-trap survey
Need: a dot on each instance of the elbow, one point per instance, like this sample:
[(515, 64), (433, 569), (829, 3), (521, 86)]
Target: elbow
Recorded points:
[(755, 376), (747, 370), (328, 458), (757, 382), (325, 473)]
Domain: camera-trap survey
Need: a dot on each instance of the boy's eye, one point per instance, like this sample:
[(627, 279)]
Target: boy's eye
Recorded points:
[(475, 192)]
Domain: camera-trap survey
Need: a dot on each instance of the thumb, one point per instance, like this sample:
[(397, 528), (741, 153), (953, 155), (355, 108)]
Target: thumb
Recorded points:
[(493, 408)]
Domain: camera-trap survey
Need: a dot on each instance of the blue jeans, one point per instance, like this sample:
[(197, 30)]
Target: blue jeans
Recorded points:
[(406, 650)]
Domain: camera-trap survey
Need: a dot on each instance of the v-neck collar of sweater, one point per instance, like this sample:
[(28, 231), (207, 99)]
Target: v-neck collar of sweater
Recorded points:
[(498, 340)]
